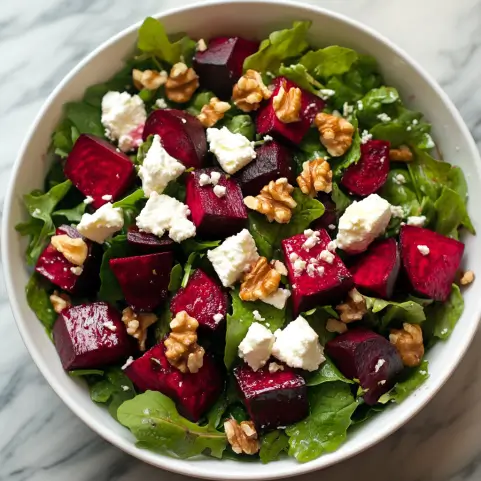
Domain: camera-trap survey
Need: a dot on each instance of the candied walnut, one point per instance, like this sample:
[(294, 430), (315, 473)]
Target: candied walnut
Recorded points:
[(60, 301), (250, 91), (183, 352), (467, 278), (260, 281), (74, 250), (275, 201), (287, 104), (316, 176), (335, 133), (242, 437), (333, 325), (354, 308), (181, 84), (212, 112), (402, 154), (149, 79), (137, 324), (409, 343)]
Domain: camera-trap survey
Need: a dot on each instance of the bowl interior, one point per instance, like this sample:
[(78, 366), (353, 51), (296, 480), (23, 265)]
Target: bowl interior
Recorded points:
[(256, 20)]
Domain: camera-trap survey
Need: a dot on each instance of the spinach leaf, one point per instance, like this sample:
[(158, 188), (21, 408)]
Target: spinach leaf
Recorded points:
[(375, 103), (241, 124), (407, 311), (72, 215), (299, 75), (131, 207), (342, 200), (38, 300), (328, 372), (64, 137), (451, 213), (327, 62), (272, 445), (175, 278), (443, 316), (85, 118)]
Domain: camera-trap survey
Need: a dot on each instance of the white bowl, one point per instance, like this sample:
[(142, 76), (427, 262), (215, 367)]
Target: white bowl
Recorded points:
[(249, 19)]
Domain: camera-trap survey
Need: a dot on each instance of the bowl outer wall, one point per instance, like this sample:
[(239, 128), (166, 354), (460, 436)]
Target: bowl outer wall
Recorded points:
[(230, 18)]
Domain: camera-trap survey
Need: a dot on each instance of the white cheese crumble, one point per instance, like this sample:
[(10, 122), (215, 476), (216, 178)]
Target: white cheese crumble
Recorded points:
[(332, 246), (347, 109), (218, 317), (257, 316), (215, 177), (280, 268), (256, 347), (424, 250), (201, 46), (102, 224), (278, 298), (399, 179), (360, 105), (365, 137), (417, 221), (107, 197), (326, 94), (88, 200), (110, 326), (267, 138), (312, 239), (204, 179), (331, 227), (128, 362), (125, 388), (299, 266), (220, 190), (293, 257), (326, 256), (161, 104), (274, 367), (383, 117), (380, 363), (397, 211), (77, 270)]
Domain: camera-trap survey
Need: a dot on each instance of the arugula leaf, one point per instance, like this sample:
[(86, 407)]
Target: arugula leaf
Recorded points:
[(451, 213), (272, 445), (175, 278), (64, 137), (327, 62), (155, 422), (192, 245), (73, 215), (328, 372), (131, 207), (242, 124), (443, 316), (376, 102), (85, 118), (38, 300), (189, 267), (298, 74), (408, 311)]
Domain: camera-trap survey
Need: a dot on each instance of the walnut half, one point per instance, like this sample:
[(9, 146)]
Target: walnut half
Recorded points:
[(401, 154), (148, 79), (260, 281), (409, 343), (137, 324), (287, 104), (250, 91), (212, 112), (60, 301), (316, 176), (242, 437), (74, 250), (335, 133), (181, 84), (353, 308)]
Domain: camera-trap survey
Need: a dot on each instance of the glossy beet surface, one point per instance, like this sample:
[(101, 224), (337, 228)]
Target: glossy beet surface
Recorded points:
[(272, 399), (91, 336), (145, 243), (362, 354), (194, 394), (98, 169)]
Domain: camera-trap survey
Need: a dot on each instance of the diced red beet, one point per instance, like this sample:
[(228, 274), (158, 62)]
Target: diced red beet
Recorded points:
[(329, 218), (370, 173), (324, 282), (182, 135), (90, 336), (97, 169), (273, 161), (148, 243), (215, 217), (220, 66), (57, 269), (272, 399), (375, 271), (268, 123), (433, 274), (202, 298), (365, 355), (143, 279), (194, 394)]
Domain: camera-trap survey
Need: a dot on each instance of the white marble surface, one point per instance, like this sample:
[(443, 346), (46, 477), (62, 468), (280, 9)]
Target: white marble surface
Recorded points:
[(40, 439)]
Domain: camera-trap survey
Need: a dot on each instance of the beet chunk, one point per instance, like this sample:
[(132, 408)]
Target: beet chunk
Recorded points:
[(272, 399), (318, 281), (91, 335), (215, 217), (433, 274), (268, 123), (148, 243), (181, 134), (273, 161), (203, 299), (97, 169), (375, 271), (370, 173), (194, 394), (220, 66), (362, 354), (143, 279), (61, 272)]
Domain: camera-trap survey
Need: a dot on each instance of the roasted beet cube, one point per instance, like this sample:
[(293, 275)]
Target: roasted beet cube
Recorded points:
[(91, 335), (317, 275), (268, 123), (273, 161), (272, 399), (148, 243), (143, 279), (57, 269), (370, 173), (194, 394), (98, 169), (220, 66), (375, 271), (181, 134), (214, 216), (203, 299), (362, 354), (430, 261)]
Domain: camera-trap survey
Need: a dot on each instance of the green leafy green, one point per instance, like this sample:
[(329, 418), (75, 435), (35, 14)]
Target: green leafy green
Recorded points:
[(189, 267), (192, 245), (327, 62), (143, 149), (64, 138), (451, 213), (341, 200), (351, 156), (38, 300), (175, 278), (86, 372), (72, 215), (272, 445), (241, 124), (198, 101), (408, 311), (131, 206), (299, 75), (443, 316), (85, 118), (328, 372), (376, 102)]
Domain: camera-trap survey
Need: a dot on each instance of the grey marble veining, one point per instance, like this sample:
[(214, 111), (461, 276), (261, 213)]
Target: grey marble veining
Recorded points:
[(40, 439)]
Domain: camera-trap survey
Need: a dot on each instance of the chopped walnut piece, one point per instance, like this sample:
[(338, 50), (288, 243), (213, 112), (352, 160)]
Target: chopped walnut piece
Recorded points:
[(287, 104), (316, 176), (260, 281), (148, 79), (74, 250), (250, 91), (353, 308), (335, 133), (467, 278), (60, 301), (275, 201), (183, 352), (242, 437), (401, 154), (212, 112), (333, 325), (181, 84), (137, 324), (409, 343)]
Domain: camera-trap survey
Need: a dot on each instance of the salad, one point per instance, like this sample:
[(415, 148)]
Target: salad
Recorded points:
[(245, 249)]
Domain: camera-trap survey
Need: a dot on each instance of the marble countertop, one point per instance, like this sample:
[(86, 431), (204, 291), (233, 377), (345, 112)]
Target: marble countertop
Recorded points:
[(40, 439)]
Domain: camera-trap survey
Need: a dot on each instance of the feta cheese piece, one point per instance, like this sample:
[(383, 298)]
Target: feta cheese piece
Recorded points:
[(158, 169), (281, 268), (417, 221), (233, 151), (383, 117), (326, 256), (214, 177), (256, 347), (312, 239), (233, 257), (102, 224), (76, 270), (128, 362), (298, 346), (218, 317), (365, 137), (201, 46), (204, 180), (397, 211), (424, 250), (257, 316), (274, 367), (123, 116), (161, 104), (220, 190), (399, 179), (362, 222), (278, 298), (107, 197), (163, 213), (88, 200)]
